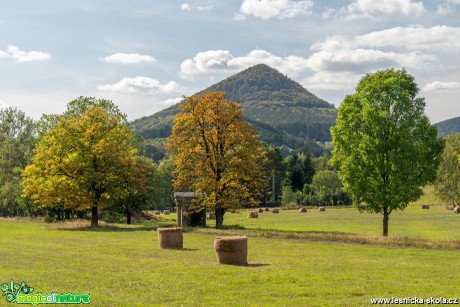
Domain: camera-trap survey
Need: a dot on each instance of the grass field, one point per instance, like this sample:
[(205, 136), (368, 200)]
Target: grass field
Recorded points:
[(123, 266), (437, 223)]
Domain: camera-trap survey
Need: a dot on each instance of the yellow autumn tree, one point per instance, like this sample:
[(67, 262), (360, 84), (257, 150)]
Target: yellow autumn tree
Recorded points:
[(84, 162), (216, 152)]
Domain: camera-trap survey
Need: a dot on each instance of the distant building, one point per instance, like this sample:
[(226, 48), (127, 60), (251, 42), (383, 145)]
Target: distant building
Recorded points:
[(285, 150)]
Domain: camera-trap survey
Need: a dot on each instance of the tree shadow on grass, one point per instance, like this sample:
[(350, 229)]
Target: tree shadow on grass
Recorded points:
[(256, 265), (231, 227), (106, 228), (293, 232)]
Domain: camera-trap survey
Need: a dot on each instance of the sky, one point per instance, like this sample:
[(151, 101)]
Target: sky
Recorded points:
[(145, 55)]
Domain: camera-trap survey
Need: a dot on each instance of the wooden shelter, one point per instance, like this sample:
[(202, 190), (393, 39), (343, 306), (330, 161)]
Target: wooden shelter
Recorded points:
[(183, 201)]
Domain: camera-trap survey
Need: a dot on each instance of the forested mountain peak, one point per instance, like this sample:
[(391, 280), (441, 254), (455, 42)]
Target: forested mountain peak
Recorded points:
[(263, 83)]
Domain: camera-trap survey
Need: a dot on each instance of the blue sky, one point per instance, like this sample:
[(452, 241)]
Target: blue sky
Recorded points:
[(144, 55)]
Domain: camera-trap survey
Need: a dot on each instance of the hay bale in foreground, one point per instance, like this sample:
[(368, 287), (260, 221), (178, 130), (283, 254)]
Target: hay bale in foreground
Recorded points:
[(425, 206), (322, 208), (457, 210), (253, 215), (303, 210), (267, 209), (275, 210), (166, 212), (157, 212), (211, 216), (260, 210), (232, 250), (170, 238)]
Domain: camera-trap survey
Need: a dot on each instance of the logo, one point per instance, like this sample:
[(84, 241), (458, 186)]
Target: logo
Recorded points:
[(22, 294)]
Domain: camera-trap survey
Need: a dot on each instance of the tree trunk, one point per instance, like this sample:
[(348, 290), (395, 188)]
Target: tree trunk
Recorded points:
[(386, 218), (128, 217), (219, 217), (94, 217)]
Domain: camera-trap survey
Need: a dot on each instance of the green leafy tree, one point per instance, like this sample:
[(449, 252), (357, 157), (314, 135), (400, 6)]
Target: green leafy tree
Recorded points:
[(386, 150), (84, 162), (290, 197), (139, 184), (326, 183), (17, 140), (162, 195), (447, 185)]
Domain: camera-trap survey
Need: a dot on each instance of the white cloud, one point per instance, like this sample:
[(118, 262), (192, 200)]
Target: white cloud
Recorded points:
[(336, 62), (18, 55), (3, 105), (281, 9), (442, 38), (442, 86), (223, 61), (185, 7), (373, 9), (339, 62), (204, 62), (141, 84), (205, 8), (128, 58), (342, 54)]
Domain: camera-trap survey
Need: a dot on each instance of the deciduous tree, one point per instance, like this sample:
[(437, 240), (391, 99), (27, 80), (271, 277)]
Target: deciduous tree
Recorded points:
[(447, 185), (386, 150), (215, 151), (326, 182), (84, 162), (17, 140)]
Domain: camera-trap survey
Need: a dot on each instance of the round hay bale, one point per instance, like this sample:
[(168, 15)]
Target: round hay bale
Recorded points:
[(275, 210), (156, 212), (211, 216), (166, 212), (266, 209), (457, 210), (425, 206), (253, 215), (303, 210), (260, 210), (170, 238), (322, 208), (232, 250)]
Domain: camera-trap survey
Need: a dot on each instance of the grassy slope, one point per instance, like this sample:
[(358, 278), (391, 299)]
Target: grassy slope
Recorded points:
[(127, 267)]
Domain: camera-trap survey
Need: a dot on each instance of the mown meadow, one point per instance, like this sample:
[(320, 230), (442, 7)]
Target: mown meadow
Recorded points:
[(294, 260)]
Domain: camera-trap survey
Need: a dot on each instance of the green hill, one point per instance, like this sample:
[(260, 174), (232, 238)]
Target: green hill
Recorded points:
[(280, 109), (449, 126)]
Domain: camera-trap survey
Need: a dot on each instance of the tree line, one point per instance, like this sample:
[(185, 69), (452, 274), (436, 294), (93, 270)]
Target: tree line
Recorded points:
[(88, 159)]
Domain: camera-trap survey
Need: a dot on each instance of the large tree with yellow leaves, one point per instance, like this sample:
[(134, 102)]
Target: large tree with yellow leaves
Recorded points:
[(86, 161), (217, 153)]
